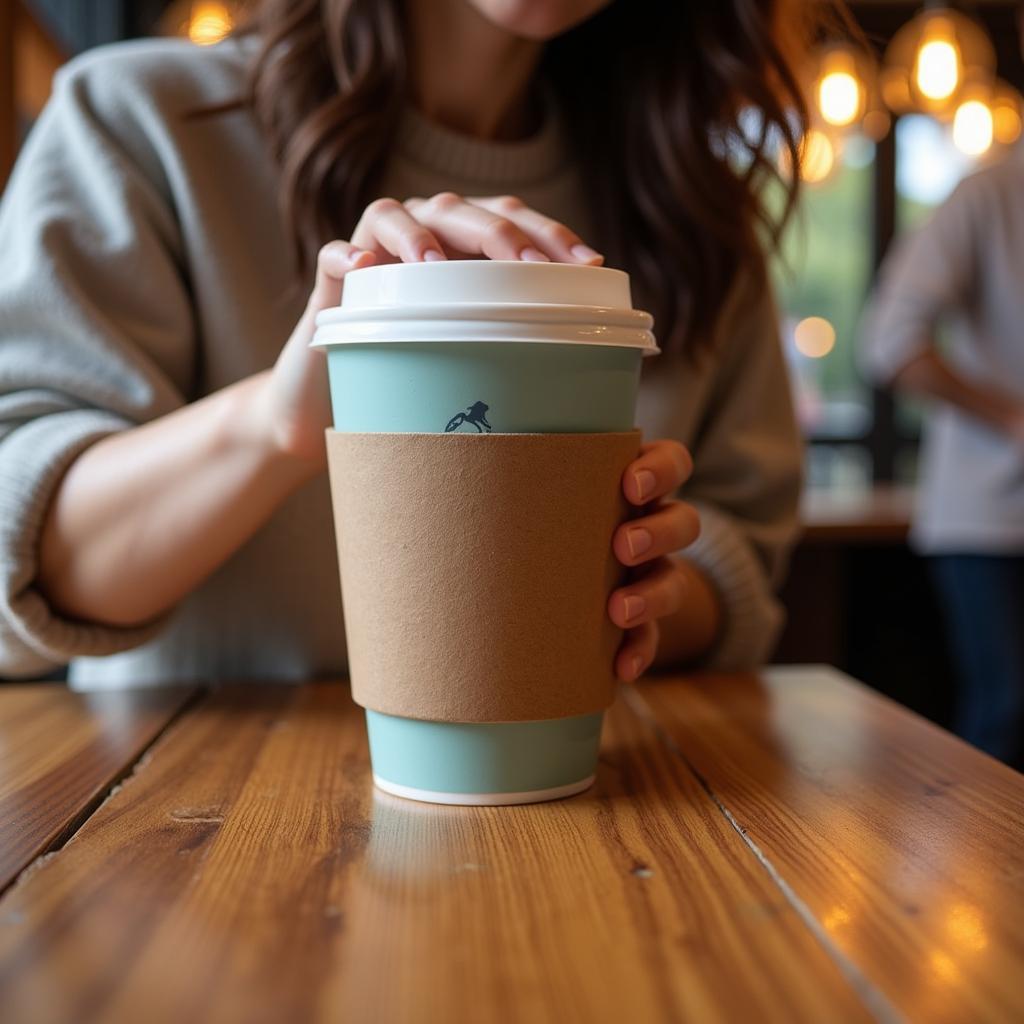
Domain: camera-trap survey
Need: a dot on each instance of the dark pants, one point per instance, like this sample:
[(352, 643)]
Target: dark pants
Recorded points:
[(983, 599)]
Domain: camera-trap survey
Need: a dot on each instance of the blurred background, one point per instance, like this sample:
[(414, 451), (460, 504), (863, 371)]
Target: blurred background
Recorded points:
[(907, 99)]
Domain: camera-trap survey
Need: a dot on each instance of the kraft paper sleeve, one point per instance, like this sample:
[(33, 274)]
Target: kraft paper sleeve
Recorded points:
[(476, 571)]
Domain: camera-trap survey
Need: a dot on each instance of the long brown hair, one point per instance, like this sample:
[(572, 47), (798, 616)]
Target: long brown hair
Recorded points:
[(675, 110)]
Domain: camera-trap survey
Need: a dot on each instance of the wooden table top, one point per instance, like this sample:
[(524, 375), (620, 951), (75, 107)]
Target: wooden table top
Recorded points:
[(787, 847), (60, 753)]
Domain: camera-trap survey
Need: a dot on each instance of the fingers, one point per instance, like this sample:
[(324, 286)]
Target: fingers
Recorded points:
[(392, 233), (660, 470), (549, 236), (657, 594), (333, 262), (500, 228), (672, 526), (473, 230), (637, 652)]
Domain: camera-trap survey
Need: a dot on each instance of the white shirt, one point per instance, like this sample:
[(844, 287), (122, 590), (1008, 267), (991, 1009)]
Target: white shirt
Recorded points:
[(964, 268)]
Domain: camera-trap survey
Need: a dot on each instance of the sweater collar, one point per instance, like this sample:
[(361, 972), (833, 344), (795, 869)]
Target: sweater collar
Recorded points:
[(435, 147)]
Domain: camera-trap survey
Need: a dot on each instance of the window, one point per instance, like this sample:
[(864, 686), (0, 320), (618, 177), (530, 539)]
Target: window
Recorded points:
[(821, 276), (928, 168)]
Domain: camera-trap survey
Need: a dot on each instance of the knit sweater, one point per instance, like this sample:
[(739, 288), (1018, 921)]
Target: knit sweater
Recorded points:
[(144, 264)]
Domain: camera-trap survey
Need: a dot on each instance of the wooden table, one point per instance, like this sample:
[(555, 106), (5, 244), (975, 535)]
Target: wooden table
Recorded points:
[(790, 847)]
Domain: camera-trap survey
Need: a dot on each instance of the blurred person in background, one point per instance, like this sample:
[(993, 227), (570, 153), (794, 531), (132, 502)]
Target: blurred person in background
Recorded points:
[(964, 269)]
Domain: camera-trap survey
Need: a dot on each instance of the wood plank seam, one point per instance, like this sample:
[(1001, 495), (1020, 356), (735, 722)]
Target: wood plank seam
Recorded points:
[(874, 999), (119, 778)]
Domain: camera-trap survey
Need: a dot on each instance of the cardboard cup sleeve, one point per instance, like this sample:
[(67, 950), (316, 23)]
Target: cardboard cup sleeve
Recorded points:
[(476, 570)]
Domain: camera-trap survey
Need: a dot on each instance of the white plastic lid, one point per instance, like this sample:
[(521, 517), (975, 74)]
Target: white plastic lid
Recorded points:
[(487, 300)]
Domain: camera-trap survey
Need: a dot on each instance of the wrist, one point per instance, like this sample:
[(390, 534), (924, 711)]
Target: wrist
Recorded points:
[(253, 423)]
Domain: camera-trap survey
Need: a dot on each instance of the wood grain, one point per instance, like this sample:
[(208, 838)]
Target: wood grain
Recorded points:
[(903, 842), (248, 872), (59, 754)]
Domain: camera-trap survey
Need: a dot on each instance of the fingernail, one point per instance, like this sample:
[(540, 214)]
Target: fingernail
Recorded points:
[(638, 540), (585, 254), (432, 256), (634, 606), (636, 666), (532, 255), (645, 483)]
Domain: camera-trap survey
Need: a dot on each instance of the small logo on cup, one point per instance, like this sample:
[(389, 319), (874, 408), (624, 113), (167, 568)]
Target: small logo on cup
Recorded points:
[(475, 414)]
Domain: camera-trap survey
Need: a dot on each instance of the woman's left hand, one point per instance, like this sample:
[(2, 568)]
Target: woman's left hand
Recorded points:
[(657, 588)]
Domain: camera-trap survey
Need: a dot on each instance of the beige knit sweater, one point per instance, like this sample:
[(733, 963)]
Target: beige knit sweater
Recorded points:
[(143, 264)]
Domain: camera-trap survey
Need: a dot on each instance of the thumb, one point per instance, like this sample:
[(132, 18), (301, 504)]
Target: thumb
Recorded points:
[(333, 262)]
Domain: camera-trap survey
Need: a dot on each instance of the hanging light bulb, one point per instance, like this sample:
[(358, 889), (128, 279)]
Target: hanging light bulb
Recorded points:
[(937, 67), (929, 60), (973, 129), (839, 98), (988, 113), (840, 91)]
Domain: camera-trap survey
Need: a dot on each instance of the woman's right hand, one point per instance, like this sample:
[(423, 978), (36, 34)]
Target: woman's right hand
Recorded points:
[(292, 408)]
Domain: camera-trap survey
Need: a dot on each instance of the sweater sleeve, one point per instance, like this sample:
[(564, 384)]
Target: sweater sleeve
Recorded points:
[(96, 331), (746, 482)]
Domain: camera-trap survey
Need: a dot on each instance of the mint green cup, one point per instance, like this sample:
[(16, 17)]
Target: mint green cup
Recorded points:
[(484, 346)]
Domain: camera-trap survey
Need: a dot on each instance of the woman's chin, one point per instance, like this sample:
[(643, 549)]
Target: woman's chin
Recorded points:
[(538, 19)]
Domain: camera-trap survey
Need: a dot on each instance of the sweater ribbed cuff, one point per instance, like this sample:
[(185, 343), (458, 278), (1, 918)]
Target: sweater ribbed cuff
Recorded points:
[(33, 459), (752, 617)]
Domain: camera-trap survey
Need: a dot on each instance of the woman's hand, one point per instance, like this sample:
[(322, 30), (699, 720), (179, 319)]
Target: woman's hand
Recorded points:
[(659, 582), (292, 408)]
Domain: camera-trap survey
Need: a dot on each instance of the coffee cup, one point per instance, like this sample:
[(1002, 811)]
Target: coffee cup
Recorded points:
[(486, 364)]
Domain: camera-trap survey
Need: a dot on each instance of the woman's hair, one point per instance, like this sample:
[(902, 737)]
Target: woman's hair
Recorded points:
[(676, 111)]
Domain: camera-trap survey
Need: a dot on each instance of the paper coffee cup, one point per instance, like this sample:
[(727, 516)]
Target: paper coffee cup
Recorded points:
[(484, 347)]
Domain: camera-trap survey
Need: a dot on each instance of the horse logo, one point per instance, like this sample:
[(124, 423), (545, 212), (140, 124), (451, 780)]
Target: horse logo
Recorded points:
[(475, 414)]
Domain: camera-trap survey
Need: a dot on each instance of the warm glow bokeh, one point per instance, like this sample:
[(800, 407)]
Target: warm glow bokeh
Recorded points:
[(817, 156), (836, 918), (973, 128), (1006, 122), (937, 69), (209, 23), (839, 98), (814, 337), (966, 927), (944, 967)]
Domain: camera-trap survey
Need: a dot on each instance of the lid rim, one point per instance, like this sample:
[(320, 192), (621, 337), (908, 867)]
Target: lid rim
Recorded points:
[(644, 350), (529, 312), (481, 333)]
